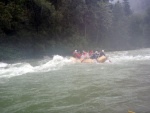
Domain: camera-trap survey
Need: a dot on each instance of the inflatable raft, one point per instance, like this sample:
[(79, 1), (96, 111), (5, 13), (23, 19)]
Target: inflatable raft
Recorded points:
[(101, 59)]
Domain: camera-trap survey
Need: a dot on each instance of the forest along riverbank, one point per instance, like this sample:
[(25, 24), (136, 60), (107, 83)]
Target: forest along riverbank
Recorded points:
[(45, 27)]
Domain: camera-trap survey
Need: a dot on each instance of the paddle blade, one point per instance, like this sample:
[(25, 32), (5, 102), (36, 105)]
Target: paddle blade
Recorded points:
[(131, 112), (110, 61)]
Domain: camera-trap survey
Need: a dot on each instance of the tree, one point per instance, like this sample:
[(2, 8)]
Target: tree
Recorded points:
[(117, 11), (147, 26), (127, 9), (103, 22), (11, 18), (119, 31), (136, 31)]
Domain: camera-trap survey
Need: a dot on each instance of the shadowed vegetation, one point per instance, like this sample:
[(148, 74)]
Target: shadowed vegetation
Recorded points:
[(34, 28)]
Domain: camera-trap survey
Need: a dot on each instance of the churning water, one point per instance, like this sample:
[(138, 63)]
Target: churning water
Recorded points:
[(58, 85)]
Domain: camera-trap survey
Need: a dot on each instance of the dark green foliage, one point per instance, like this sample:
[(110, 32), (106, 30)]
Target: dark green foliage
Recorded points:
[(47, 27), (11, 16)]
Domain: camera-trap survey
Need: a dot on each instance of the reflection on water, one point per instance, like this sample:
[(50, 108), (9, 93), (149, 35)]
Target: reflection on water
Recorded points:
[(59, 86)]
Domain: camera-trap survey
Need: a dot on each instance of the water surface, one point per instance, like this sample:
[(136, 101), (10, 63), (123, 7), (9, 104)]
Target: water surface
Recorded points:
[(57, 85)]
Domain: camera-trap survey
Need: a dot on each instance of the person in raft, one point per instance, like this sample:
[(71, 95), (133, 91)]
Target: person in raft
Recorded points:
[(91, 53), (95, 55), (101, 53), (76, 54), (85, 54)]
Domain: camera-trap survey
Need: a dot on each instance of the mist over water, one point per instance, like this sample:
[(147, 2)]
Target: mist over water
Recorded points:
[(137, 6), (49, 64), (58, 85)]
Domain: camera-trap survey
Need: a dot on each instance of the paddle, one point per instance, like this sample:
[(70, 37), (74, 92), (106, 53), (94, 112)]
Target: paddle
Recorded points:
[(109, 60), (131, 112), (82, 60)]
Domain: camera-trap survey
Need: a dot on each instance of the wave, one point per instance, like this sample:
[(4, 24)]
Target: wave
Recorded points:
[(126, 56), (57, 62), (11, 70), (2, 65)]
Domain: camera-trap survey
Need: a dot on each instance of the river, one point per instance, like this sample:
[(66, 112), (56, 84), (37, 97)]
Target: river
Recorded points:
[(57, 85)]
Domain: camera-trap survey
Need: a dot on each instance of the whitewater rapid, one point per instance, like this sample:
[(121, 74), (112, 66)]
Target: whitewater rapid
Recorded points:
[(16, 69), (57, 62)]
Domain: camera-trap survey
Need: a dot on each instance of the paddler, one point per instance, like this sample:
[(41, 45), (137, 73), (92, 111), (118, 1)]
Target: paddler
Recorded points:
[(101, 53), (95, 55), (76, 54)]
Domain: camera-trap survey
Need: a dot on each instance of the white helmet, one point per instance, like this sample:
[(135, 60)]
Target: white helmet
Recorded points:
[(102, 50), (75, 50)]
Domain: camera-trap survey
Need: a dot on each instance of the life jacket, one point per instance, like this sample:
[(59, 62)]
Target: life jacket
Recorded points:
[(102, 54), (91, 53), (76, 54), (85, 54)]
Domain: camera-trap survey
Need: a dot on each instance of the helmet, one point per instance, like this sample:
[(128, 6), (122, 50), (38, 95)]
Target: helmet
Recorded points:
[(75, 50), (102, 50)]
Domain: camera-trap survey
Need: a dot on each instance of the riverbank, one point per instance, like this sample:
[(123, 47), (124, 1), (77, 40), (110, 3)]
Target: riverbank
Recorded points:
[(14, 52)]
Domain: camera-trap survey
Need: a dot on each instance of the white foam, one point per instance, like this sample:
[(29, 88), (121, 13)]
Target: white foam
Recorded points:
[(2, 65), (14, 70), (126, 56), (129, 58), (11, 70), (57, 62)]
